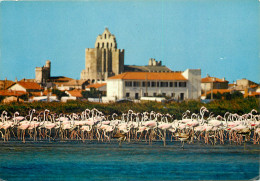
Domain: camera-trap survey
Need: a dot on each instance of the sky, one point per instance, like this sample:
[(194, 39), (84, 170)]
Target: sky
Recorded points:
[(220, 37)]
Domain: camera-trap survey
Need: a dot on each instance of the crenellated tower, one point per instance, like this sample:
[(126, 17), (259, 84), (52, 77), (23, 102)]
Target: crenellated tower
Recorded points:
[(42, 74)]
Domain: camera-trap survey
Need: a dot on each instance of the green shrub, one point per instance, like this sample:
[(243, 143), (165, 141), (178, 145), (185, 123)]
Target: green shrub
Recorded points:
[(218, 107)]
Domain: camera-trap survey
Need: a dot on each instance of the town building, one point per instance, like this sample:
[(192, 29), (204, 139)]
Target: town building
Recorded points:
[(244, 84), (98, 86), (5, 83), (72, 84), (26, 87), (134, 85), (7, 93), (209, 83), (72, 95), (246, 87), (103, 61)]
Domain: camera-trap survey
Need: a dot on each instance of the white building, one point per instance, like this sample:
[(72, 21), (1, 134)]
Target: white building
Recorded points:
[(134, 85)]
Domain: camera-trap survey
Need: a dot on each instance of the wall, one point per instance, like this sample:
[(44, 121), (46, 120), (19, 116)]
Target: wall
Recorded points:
[(194, 83), (42, 74), (207, 86), (115, 89), (17, 87)]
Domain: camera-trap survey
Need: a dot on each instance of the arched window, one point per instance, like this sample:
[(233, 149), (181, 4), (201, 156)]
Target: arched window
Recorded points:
[(107, 45), (111, 45), (103, 45), (98, 45), (105, 36)]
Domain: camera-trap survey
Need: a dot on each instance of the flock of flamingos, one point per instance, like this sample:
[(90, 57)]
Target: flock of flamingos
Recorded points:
[(132, 127)]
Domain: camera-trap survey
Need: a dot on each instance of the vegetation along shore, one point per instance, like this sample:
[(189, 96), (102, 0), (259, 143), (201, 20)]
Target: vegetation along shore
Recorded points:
[(219, 107)]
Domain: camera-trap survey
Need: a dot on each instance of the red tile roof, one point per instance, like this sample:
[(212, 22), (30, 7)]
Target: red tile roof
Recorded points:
[(44, 93), (75, 93), (150, 76), (97, 85), (215, 91), (6, 83), (253, 86), (212, 79), (30, 85), (11, 93), (254, 94), (231, 85)]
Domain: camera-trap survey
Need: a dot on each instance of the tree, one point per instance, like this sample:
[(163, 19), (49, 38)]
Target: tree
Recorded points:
[(25, 97), (215, 96), (227, 96), (93, 93), (236, 95), (1, 98), (59, 93)]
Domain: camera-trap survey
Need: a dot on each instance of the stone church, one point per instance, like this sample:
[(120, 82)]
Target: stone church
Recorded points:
[(103, 61)]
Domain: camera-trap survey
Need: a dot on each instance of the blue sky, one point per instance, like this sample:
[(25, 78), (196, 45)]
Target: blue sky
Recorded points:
[(221, 37)]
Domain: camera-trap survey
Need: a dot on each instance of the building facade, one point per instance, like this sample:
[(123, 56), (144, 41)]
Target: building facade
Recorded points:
[(5, 83), (26, 87), (103, 61), (209, 83), (134, 85)]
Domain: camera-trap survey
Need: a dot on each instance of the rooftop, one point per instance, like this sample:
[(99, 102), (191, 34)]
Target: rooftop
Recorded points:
[(74, 82), (215, 91), (11, 93), (5, 83), (75, 93), (212, 79), (147, 68), (150, 76), (60, 79), (97, 85), (29, 85)]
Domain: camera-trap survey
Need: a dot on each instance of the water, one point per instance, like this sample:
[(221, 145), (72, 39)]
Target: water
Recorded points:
[(133, 161)]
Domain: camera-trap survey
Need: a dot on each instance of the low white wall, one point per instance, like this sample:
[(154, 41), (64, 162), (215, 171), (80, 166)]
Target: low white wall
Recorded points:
[(157, 99), (65, 99)]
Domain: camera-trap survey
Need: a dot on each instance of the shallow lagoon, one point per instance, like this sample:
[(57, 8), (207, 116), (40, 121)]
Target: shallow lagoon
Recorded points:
[(133, 161)]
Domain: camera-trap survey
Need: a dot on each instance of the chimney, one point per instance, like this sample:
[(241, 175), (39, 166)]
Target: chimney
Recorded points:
[(208, 75), (154, 62), (150, 62), (223, 79), (16, 79)]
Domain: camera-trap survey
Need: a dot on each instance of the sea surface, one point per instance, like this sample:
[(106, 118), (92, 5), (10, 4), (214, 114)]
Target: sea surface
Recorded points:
[(75, 160)]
